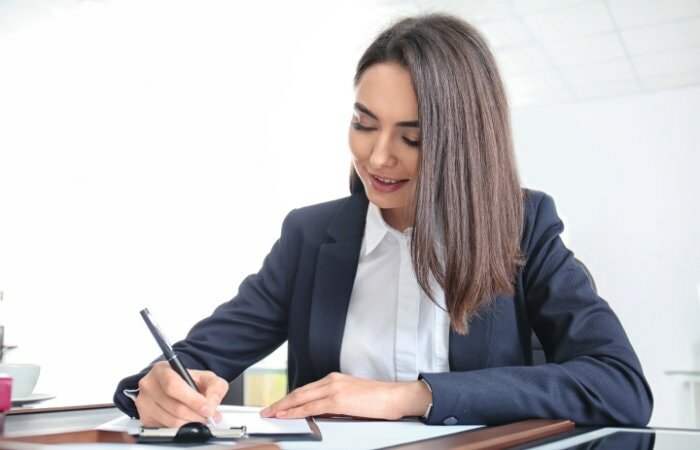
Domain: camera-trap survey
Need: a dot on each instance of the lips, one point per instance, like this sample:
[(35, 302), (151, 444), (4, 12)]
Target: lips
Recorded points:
[(386, 184)]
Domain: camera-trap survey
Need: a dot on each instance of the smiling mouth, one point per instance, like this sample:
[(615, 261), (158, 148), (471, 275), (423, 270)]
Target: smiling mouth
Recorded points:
[(387, 181)]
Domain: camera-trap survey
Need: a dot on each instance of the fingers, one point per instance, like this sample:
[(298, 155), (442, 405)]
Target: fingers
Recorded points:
[(165, 399), (342, 395), (304, 395), (294, 399), (315, 408), (163, 411), (213, 387)]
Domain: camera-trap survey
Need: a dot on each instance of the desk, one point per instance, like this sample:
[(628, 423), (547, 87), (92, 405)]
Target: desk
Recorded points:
[(338, 435), (53, 420)]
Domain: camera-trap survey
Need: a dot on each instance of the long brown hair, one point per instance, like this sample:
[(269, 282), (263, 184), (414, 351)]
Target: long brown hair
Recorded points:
[(469, 203)]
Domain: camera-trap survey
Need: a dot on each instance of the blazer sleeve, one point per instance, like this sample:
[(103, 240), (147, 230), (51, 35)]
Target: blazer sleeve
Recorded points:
[(239, 332), (592, 375)]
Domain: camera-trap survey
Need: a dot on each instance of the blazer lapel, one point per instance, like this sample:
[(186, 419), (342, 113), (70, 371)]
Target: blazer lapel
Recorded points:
[(333, 282)]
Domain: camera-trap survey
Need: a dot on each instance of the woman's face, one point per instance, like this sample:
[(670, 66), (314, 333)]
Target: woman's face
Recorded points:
[(385, 140)]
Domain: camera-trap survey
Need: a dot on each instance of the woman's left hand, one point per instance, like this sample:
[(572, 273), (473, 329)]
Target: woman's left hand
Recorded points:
[(345, 395)]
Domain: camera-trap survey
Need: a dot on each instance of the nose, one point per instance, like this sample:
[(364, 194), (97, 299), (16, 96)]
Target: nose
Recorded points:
[(382, 153)]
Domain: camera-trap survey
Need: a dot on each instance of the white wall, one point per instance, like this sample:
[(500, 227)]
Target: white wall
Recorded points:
[(148, 153), (624, 173)]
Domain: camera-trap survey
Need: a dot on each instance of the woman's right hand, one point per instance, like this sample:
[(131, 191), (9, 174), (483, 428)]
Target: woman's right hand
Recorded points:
[(166, 400)]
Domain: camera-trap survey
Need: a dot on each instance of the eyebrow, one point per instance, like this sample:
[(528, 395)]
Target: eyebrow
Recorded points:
[(362, 108)]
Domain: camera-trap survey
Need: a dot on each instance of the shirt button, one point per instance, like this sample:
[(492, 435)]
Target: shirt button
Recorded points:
[(450, 421)]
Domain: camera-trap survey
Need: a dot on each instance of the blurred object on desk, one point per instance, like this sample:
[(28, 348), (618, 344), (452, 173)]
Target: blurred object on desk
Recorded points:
[(24, 378), (5, 396), (264, 386)]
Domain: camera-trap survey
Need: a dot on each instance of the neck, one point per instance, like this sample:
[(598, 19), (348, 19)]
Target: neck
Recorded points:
[(398, 218)]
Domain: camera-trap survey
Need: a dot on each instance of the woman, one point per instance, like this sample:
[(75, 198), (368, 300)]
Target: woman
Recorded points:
[(417, 295)]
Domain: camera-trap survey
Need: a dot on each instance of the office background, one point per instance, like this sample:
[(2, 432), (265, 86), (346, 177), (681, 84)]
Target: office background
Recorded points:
[(150, 149)]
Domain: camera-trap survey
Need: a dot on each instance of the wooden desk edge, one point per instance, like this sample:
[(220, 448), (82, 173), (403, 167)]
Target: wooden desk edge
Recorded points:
[(59, 408)]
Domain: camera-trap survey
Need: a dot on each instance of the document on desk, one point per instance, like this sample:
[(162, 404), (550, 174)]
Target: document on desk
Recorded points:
[(233, 416)]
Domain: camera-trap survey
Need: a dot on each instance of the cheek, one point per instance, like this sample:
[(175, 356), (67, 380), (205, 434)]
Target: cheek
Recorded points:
[(360, 146), (410, 162), (413, 165)]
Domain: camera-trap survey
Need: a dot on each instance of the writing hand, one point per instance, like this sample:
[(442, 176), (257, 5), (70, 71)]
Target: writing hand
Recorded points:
[(339, 394), (166, 400)]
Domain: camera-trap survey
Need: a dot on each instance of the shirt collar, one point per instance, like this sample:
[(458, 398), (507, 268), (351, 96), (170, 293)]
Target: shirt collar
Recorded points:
[(375, 228)]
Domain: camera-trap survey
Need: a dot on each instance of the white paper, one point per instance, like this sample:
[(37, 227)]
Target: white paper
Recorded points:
[(121, 424), (235, 416)]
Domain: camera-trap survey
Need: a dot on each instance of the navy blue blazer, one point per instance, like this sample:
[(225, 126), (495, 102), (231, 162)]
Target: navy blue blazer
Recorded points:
[(301, 295)]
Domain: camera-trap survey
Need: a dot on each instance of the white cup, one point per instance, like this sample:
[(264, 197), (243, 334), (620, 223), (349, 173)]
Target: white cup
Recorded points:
[(24, 378)]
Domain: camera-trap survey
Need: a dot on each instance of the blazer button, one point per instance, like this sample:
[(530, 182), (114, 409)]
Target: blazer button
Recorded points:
[(450, 421)]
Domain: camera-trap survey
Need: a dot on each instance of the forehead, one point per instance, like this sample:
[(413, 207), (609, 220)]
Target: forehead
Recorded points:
[(387, 90)]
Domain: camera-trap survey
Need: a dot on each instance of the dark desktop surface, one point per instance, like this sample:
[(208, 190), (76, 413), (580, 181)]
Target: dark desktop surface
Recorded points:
[(589, 438)]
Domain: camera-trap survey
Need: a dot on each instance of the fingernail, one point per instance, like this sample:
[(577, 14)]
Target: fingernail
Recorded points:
[(282, 414), (265, 411), (205, 411)]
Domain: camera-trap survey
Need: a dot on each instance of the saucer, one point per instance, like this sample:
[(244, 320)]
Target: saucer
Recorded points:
[(31, 398)]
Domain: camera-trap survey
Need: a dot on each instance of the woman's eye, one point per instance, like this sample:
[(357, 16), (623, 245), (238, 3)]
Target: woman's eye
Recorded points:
[(411, 143), (357, 126)]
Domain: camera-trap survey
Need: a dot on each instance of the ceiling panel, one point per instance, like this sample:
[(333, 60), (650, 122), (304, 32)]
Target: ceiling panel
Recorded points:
[(671, 81), (483, 10), (607, 89), (536, 83), (569, 50), (529, 6), (578, 20), (667, 36), (546, 97), (668, 63), (505, 33), (633, 13), (599, 73), (523, 59), (596, 48)]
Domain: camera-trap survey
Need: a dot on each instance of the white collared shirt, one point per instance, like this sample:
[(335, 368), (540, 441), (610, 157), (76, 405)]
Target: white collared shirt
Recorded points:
[(393, 330)]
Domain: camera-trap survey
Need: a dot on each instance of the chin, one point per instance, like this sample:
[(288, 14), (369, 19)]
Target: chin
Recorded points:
[(383, 202)]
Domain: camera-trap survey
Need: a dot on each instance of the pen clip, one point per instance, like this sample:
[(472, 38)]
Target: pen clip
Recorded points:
[(157, 333)]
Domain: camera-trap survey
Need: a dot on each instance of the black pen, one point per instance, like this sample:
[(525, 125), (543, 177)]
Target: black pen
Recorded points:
[(169, 354)]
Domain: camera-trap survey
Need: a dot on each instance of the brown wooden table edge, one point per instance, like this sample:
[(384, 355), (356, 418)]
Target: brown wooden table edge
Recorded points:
[(59, 408)]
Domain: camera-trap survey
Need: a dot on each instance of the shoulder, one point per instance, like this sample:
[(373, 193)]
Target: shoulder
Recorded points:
[(343, 215), (319, 213), (540, 219)]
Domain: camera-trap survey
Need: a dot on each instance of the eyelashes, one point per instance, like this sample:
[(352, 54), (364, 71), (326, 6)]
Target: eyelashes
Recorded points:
[(409, 142), (357, 126)]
